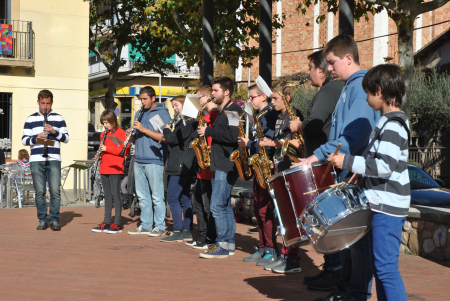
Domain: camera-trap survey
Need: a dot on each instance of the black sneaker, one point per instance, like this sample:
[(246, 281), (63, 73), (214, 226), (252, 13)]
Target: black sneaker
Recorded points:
[(308, 279), (101, 228), (42, 226), (288, 266), (113, 229), (334, 297), (327, 282), (190, 243), (200, 245), (253, 230), (55, 226), (270, 257), (279, 261), (255, 257)]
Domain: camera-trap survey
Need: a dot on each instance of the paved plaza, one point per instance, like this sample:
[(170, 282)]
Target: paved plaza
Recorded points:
[(76, 263)]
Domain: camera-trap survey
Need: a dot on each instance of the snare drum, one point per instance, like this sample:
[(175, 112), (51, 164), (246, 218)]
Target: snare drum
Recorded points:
[(287, 188), (337, 218)]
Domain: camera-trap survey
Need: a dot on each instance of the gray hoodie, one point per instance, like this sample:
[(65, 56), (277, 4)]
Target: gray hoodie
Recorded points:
[(147, 150)]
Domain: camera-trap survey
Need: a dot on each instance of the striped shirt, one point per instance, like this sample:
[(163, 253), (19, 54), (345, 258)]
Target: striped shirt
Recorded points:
[(385, 170), (34, 125)]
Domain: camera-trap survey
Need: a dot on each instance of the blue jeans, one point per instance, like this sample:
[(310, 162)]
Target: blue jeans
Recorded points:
[(150, 192), (332, 262), (221, 208), (384, 251), (44, 172), (179, 201), (356, 277)]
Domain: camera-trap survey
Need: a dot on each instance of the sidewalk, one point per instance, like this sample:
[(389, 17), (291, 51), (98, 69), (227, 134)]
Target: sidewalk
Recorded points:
[(79, 264)]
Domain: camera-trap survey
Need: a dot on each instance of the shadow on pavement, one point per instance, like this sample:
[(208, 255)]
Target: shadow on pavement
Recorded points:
[(67, 216)]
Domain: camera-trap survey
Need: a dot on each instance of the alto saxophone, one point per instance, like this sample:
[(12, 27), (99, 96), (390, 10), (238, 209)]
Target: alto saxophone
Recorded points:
[(260, 162), (288, 148), (241, 158), (200, 145)]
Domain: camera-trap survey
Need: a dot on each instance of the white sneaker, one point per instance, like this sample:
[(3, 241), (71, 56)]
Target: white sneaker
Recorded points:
[(139, 230)]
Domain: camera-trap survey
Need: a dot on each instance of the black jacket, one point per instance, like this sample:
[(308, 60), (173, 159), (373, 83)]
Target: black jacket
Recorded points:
[(224, 140), (316, 127), (181, 156)]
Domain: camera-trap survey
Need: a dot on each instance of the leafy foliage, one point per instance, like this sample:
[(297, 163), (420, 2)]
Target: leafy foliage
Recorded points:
[(430, 104), (302, 97)]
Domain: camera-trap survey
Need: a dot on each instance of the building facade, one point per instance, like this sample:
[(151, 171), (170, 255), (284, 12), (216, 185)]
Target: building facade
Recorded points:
[(44, 46)]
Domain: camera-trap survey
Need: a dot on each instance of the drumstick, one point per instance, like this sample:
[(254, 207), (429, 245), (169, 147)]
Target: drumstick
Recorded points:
[(329, 164), (323, 188)]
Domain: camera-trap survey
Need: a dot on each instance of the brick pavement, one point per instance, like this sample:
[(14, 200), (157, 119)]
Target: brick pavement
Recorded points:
[(78, 264)]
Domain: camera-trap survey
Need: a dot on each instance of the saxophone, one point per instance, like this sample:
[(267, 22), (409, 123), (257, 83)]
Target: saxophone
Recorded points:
[(241, 158), (200, 145), (260, 162), (287, 148)]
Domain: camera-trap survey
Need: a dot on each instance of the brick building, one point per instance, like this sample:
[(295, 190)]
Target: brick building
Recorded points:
[(302, 32)]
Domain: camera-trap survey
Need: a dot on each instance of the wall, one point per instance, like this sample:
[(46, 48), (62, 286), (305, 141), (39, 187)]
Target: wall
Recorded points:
[(61, 31)]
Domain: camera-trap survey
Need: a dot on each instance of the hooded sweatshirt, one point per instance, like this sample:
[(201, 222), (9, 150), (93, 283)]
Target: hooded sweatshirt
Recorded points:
[(352, 121), (147, 150)]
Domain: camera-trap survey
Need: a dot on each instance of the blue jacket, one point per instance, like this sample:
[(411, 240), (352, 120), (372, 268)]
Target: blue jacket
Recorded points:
[(147, 150), (268, 122), (352, 121)]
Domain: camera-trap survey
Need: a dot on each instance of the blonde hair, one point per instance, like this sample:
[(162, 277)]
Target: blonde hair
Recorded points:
[(179, 98), (23, 154)]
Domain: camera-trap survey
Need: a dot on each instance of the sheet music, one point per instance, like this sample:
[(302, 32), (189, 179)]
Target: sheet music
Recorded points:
[(249, 112), (157, 122), (191, 106), (115, 140), (233, 118)]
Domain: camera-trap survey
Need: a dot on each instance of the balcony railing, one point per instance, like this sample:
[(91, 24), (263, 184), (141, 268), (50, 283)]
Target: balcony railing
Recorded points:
[(17, 47)]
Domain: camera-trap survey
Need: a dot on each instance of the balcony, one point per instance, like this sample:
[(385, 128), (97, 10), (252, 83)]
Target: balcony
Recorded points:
[(17, 43)]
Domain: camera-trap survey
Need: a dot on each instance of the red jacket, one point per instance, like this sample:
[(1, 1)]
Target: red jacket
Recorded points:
[(205, 174), (112, 162)]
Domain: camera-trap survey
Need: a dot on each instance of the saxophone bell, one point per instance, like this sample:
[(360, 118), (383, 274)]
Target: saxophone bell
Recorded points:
[(290, 150)]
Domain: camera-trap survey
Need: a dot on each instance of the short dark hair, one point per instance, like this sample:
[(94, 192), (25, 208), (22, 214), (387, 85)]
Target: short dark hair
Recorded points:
[(255, 87), (45, 94), (225, 83), (149, 90), (389, 78), (342, 45), (320, 62)]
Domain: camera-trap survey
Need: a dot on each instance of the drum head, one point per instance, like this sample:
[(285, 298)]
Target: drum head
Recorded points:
[(345, 231)]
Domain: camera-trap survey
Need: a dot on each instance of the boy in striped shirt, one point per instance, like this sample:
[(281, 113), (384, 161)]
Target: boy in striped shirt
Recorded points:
[(385, 177), (46, 165)]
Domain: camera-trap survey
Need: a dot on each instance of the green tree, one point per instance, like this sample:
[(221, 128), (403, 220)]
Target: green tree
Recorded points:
[(235, 23), (403, 13), (114, 24)]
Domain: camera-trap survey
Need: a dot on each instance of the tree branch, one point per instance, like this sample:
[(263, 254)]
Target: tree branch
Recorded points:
[(387, 4), (177, 22), (429, 6)]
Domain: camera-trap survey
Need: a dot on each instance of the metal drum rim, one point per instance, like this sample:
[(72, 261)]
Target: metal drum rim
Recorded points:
[(275, 176)]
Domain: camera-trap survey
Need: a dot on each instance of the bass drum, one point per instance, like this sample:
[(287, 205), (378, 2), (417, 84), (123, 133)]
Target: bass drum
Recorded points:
[(287, 189), (337, 218)]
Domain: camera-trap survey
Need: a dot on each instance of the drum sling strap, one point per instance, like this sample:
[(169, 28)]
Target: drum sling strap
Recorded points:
[(378, 132)]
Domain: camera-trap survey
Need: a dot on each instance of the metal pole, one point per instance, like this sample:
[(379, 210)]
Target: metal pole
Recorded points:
[(265, 41), (208, 42), (75, 182), (159, 88), (248, 95), (346, 17)]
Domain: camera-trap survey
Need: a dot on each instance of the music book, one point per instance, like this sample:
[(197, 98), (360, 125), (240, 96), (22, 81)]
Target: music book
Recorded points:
[(263, 86), (157, 123), (191, 106), (45, 141), (233, 118)]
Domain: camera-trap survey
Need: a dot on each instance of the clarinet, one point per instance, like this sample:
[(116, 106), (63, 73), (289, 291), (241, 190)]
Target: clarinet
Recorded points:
[(99, 156), (133, 131), (45, 155)]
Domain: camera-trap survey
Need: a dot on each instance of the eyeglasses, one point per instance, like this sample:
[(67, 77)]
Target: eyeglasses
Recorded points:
[(250, 98), (202, 96)]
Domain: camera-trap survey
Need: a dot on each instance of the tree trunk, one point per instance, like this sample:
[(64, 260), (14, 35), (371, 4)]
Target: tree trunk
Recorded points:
[(406, 59), (109, 95)]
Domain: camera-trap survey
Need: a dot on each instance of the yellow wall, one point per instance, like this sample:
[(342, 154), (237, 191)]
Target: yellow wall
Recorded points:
[(61, 29)]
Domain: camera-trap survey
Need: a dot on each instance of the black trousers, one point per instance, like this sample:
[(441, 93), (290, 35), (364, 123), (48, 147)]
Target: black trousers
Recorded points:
[(201, 200), (111, 190)]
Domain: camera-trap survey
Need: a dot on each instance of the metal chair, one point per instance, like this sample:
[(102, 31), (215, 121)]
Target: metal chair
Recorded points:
[(22, 182), (64, 175)]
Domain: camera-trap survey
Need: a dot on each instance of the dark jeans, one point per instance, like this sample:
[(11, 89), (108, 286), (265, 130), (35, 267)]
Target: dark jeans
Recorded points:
[(179, 201), (332, 261), (111, 190), (201, 201), (356, 277), (264, 212), (43, 172)]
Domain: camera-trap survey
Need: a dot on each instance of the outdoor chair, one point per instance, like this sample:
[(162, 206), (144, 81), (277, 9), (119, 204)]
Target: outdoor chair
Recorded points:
[(64, 175)]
